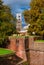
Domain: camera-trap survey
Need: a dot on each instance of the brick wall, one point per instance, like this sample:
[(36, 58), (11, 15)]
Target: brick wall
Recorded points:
[(21, 48), (18, 46), (12, 45), (36, 50), (36, 57)]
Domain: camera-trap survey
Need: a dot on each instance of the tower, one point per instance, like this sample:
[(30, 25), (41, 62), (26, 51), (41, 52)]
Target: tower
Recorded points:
[(19, 21)]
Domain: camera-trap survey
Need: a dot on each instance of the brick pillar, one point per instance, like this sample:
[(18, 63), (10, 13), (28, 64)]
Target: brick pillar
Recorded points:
[(12, 45), (21, 48)]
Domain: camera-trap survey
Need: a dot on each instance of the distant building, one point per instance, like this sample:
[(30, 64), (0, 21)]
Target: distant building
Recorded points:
[(19, 21)]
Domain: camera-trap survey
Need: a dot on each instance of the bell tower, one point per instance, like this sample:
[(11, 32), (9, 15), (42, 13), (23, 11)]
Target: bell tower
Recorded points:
[(19, 21)]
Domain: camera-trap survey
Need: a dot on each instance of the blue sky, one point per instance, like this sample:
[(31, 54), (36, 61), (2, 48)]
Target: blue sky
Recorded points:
[(17, 6)]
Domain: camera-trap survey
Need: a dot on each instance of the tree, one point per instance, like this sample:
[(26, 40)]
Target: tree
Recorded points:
[(35, 17), (7, 27)]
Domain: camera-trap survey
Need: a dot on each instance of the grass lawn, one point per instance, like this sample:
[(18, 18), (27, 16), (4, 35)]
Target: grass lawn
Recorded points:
[(39, 41), (5, 51)]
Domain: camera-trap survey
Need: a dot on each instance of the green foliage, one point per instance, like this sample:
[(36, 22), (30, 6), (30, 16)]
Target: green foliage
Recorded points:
[(35, 17), (7, 28)]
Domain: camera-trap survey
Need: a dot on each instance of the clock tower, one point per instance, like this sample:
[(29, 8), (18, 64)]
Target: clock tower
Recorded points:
[(19, 21)]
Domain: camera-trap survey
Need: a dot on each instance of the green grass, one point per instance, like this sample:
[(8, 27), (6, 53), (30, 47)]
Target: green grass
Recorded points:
[(39, 41), (5, 51)]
